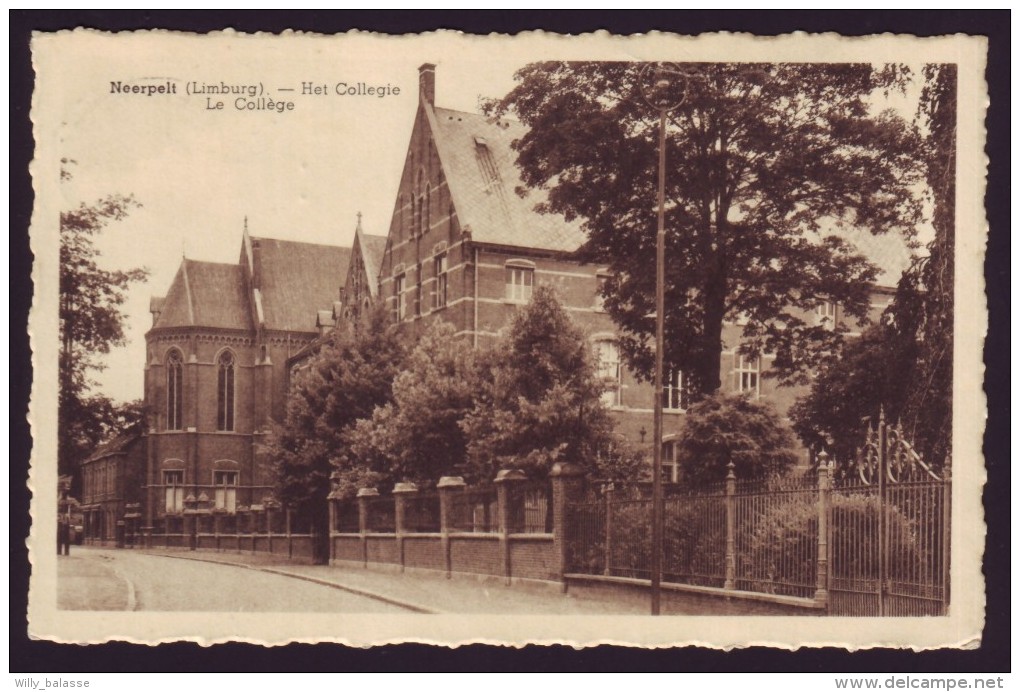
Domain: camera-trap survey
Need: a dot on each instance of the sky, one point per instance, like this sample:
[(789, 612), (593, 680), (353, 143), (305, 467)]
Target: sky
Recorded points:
[(200, 172)]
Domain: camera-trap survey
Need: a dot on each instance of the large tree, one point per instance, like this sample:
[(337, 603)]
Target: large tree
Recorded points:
[(765, 165), (345, 381), (417, 436), (91, 323), (539, 402), (902, 366)]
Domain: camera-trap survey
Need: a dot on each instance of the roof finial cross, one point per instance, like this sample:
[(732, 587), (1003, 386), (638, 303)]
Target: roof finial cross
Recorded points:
[(359, 219), (245, 223)]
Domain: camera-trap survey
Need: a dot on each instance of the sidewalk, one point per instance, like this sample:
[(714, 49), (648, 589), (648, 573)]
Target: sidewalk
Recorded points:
[(421, 591)]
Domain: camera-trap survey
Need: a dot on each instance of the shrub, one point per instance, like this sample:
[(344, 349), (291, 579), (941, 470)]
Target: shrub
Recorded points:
[(725, 428), (781, 543)]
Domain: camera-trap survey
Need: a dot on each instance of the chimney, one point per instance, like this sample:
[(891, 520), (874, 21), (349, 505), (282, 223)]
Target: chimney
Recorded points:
[(427, 83)]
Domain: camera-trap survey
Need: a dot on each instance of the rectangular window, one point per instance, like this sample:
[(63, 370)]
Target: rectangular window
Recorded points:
[(439, 296), (670, 463), (226, 490), (825, 315), (609, 371), (400, 290), (677, 391), (747, 371), (174, 482), (519, 282)]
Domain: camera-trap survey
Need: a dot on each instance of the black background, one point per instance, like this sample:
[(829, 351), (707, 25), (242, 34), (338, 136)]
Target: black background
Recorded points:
[(993, 655)]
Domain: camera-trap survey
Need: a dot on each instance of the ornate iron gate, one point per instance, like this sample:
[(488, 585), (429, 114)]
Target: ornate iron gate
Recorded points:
[(889, 532)]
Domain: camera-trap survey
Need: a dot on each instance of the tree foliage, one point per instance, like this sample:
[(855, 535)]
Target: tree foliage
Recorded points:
[(350, 376), (539, 401), (417, 436), (765, 165), (904, 365), (90, 324), (732, 428), (872, 373)]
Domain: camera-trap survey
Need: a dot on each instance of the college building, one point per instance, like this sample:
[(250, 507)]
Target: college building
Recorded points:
[(463, 246)]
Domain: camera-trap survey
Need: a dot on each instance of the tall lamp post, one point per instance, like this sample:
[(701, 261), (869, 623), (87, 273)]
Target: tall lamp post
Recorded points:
[(664, 88)]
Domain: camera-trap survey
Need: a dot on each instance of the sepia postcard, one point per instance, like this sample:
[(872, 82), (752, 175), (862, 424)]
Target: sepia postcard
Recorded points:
[(648, 340)]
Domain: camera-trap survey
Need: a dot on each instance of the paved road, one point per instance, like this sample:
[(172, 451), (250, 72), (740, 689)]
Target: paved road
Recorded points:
[(93, 579)]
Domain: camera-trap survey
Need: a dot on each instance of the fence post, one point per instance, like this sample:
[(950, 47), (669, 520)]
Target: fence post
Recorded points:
[(824, 490), (447, 486), (730, 581), (610, 492), (290, 538), (333, 501), (269, 529), (253, 526), (507, 501), (567, 484), (402, 492), (945, 533), (365, 495)]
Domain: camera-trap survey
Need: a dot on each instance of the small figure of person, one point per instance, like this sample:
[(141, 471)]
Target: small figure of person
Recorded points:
[(63, 538)]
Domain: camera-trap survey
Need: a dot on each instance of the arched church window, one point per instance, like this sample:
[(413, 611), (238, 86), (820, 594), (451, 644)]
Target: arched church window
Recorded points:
[(174, 390), (225, 391)]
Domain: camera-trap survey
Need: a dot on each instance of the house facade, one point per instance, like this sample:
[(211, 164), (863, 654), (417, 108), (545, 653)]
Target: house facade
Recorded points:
[(464, 246), (113, 481), (216, 373)]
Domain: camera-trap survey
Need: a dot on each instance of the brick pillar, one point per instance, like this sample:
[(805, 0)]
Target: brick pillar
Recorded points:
[(731, 528), (507, 503), (364, 521), (402, 493), (568, 486), (448, 487), (824, 489)]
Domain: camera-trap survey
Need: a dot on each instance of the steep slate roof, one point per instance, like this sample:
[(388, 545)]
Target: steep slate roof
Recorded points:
[(206, 294), (116, 445), (373, 247), (480, 167), (298, 280), (889, 252), (483, 179)]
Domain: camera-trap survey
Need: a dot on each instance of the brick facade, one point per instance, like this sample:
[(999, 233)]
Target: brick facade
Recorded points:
[(217, 375)]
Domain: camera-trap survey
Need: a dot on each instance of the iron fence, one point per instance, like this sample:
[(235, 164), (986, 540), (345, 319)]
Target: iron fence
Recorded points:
[(347, 518), (381, 515), (421, 513), (776, 536), (474, 510), (886, 546), (528, 508), (889, 548)]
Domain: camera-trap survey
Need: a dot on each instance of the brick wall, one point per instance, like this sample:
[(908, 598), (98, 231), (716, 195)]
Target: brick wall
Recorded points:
[(479, 554)]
